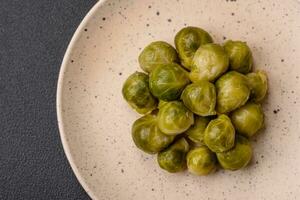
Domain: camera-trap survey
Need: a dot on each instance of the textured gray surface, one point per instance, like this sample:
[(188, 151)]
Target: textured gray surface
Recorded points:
[(34, 35)]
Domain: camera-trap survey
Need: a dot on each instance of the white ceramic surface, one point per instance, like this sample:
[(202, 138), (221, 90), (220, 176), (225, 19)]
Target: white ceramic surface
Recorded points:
[(95, 121)]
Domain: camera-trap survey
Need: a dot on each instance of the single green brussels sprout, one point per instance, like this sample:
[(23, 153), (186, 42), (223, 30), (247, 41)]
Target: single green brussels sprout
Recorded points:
[(248, 119), (258, 83), (137, 93), (201, 161), (209, 62), (173, 159), (240, 56), (157, 53), (237, 157), (167, 81), (147, 136), (174, 118), (219, 134), (232, 91), (200, 98), (187, 41), (196, 132)]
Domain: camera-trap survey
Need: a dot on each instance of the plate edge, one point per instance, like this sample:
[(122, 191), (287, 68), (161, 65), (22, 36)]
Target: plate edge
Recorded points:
[(62, 70)]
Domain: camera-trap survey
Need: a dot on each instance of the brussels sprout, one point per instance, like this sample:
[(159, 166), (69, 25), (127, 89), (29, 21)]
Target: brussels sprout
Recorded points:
[(187, 41), (240, 56), (258, 83), (201, 161), (137, 93), (200, 98), (219, 134), (237, 157), (196, 131), (157, 53), (174, 118), (248, 119), (209, 62), (167, 81), (173, 159), (232, 91), (147, 136)]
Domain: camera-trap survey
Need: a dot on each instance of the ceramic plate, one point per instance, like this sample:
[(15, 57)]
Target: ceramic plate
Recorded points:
[(95, 121)]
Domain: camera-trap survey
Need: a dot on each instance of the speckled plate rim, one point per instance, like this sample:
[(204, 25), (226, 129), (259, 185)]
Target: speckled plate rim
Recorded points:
[(60, 83)]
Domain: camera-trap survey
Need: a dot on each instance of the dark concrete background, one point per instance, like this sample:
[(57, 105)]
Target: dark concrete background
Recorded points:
[(34, 35)]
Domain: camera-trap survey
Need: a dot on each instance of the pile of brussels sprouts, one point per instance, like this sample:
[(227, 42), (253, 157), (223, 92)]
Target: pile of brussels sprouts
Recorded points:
[(200, 101)]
